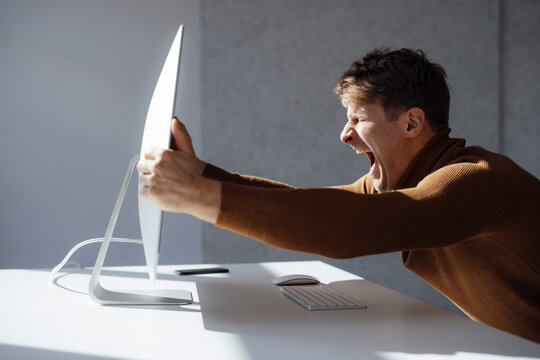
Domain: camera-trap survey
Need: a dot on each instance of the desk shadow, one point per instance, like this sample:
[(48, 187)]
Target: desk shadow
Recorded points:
[(24, 352), (238, 306)]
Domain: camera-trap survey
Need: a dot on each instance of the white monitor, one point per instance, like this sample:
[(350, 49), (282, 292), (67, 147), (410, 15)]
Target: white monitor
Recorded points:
[(157, 132)]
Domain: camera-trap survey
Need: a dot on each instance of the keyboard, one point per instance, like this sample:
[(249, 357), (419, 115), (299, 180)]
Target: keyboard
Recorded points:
[(320, 297)]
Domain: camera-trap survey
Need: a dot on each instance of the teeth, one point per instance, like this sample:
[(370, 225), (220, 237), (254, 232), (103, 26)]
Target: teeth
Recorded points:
[(361, 151)]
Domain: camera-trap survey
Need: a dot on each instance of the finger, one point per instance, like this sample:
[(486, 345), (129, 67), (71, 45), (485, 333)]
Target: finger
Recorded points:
[(144, 166), (144, 180), (147, 164), (182, 138), (153, 152), (149, 184), (145, 192), (148, 191)]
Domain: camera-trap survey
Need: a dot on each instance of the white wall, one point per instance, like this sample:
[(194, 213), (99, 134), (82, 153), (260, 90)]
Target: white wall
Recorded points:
[(76, 78)]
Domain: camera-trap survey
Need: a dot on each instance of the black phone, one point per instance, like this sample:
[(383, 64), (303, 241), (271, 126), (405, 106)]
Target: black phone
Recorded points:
[(213, 270)]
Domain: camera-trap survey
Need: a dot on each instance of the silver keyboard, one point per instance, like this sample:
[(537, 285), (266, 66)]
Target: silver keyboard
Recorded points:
[(320, 297)]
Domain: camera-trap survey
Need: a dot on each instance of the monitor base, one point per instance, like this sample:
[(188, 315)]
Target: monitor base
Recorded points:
[(128, 297), (141, 297)]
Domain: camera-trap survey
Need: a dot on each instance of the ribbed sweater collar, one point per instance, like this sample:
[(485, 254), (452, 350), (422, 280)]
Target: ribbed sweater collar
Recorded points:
[(425, 162)]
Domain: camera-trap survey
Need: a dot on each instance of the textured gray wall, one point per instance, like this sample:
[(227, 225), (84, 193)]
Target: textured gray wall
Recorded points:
[(520, 93), (76, 78), (268, 108)]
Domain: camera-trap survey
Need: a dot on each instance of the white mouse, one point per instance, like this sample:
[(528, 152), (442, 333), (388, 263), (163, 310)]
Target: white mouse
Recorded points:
[(295, 279)]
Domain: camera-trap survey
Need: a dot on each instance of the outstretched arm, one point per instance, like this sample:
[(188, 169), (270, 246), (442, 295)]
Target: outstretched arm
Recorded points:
[(345, 222)]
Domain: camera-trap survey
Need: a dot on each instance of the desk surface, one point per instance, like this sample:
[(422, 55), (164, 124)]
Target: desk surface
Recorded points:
[(239, 315)]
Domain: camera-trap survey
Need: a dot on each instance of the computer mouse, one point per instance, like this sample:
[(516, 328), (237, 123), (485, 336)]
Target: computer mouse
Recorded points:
[(295, 279)]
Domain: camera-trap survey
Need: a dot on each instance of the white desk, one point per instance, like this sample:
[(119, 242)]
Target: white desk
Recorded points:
[(239, 315)]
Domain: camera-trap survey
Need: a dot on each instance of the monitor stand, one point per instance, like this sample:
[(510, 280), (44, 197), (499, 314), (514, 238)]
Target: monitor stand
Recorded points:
[(129, 297)]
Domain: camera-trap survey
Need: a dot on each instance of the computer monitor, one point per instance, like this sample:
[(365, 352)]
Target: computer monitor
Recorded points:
[(157, 132)]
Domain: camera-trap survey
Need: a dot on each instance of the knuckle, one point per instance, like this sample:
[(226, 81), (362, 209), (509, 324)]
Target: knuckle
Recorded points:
[(166, 155), (152, 179), (153, 191), (141, 165), (158, 168)]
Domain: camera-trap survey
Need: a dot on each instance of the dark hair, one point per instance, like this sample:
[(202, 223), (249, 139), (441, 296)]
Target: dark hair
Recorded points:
[(400, 79)]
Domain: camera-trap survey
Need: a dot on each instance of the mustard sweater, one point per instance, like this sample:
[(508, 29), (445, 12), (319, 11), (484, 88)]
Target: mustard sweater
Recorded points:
[(466, 220)]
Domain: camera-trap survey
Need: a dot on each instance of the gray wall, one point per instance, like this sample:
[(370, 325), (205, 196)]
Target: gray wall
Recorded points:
[(268, 107), (520, 91), (76, 78)]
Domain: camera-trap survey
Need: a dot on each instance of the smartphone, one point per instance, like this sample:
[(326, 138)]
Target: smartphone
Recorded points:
[(213, 270)]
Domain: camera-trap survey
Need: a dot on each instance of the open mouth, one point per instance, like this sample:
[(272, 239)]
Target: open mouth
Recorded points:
[(371, 158)]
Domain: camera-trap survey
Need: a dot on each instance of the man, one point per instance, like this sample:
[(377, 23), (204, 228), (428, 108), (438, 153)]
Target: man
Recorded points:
[(464, 219)]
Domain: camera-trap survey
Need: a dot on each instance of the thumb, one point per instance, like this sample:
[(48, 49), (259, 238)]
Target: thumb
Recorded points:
[(182, 139)]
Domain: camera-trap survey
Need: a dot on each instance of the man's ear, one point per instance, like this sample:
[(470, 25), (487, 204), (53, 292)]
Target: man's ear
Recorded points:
[(414, 122)]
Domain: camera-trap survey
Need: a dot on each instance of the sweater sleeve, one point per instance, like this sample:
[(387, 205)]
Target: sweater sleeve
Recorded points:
[(216, 173), (450, 205)]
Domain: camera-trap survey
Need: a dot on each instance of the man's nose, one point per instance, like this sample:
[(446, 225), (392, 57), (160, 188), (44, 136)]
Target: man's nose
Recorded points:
[(347, 135)]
